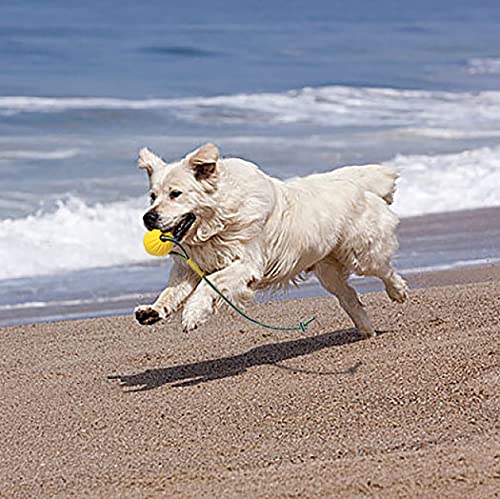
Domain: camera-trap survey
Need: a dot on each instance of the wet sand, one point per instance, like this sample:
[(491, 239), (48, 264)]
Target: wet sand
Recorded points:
[(107, 408)]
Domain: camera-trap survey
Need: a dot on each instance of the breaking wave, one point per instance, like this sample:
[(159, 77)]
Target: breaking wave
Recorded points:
[(77, 236), (447, 182), (323, 106)]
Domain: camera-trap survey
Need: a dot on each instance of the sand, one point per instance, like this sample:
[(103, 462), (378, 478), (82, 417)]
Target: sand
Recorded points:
[(107, 408)]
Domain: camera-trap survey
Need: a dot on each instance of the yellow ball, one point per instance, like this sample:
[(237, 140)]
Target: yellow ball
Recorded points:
[(155, 246)]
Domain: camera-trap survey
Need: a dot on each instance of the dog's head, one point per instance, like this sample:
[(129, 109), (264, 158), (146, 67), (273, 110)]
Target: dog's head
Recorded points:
[(181, 192)]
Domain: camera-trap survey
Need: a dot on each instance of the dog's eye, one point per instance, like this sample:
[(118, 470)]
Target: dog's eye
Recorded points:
[(175, 194), (152, 196)]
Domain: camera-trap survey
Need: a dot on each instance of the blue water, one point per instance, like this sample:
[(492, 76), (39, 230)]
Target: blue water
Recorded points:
[(131, 49), (297, 87)]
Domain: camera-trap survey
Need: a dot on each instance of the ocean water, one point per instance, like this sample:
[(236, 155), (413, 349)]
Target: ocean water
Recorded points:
[(296, 87)]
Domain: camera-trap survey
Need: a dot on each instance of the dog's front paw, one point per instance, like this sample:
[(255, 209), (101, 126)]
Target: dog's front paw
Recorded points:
[(148, 315)]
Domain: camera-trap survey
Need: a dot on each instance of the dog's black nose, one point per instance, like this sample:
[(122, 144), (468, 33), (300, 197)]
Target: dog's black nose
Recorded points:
[(150, 219)]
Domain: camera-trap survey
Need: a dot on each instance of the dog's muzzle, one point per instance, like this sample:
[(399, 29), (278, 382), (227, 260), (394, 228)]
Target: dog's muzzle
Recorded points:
[(179, 229)]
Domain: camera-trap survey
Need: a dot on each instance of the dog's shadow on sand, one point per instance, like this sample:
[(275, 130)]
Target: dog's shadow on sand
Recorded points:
[(270, 354)]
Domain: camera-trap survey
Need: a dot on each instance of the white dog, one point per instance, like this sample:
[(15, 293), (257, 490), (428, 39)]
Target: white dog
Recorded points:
[(249, 231)]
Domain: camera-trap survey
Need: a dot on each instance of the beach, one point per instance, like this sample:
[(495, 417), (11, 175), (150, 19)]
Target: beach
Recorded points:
[(106, 408), (93, 404)]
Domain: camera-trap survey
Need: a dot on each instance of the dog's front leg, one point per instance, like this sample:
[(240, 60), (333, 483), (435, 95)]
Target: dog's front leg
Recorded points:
[(234, 281), (181, 284)]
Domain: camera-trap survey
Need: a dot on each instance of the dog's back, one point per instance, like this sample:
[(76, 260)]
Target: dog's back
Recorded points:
[(379, 179)]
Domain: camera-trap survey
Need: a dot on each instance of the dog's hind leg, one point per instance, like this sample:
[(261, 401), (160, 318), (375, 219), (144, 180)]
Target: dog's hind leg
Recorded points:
[(333, 277), (395, 285)]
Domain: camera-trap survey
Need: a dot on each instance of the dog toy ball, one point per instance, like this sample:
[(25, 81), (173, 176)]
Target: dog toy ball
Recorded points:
[(156, 243)]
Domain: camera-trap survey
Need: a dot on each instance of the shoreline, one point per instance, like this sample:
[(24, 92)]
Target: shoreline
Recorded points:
[(465, 274), (108, 408), (456, 241)]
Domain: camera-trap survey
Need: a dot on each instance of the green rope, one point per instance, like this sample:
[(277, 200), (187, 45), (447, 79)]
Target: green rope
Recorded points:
[(303, 325)]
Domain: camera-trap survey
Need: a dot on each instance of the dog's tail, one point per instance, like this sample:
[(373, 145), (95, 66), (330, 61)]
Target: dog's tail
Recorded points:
[(379, 179)]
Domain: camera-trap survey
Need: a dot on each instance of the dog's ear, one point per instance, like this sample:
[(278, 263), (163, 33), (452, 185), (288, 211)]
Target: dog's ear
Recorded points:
[(149, 161), (203, 162)]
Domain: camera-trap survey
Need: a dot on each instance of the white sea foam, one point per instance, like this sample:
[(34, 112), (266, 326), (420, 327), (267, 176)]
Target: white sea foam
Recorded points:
[(448, 182), (78, 236), (328, 106), (481, 66), (460, 264), (445, 133), (38, 155), (75, 236), (76, 302)]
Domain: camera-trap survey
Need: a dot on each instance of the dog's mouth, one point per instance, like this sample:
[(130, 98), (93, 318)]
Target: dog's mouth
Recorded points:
[(180, 229)]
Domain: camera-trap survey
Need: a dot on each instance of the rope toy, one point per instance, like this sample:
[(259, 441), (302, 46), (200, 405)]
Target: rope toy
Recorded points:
[(158, 243)]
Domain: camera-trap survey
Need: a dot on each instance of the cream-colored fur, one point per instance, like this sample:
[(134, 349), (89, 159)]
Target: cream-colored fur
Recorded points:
[(254, 232)]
